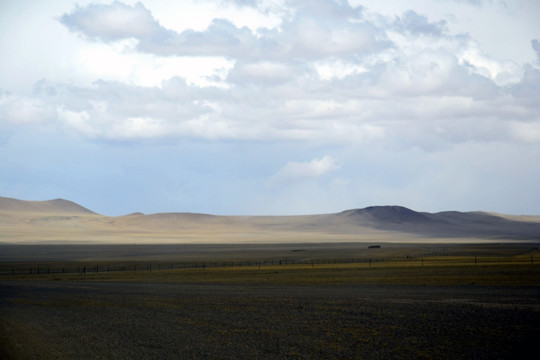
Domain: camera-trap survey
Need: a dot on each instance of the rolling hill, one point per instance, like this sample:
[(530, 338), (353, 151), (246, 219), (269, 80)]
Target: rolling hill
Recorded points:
[(63, 221), (59, 206)]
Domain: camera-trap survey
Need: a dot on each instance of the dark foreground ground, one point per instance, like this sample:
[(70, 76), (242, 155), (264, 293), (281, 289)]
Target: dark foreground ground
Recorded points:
[(154, 320)]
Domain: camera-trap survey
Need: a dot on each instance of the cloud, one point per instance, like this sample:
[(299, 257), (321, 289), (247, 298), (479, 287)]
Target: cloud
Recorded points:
[(241, 3), (528, 132), (536, 47), (263, 73), (316, 29), (294, 171), (417, 24), (118, 21), (329, 73), (113, 22), (471, 2), (24, 110)]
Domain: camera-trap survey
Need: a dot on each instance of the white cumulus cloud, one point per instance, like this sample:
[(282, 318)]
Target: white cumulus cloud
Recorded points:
[(294, 171)]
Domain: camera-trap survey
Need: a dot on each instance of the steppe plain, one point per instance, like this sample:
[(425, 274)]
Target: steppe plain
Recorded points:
[(374, 283)]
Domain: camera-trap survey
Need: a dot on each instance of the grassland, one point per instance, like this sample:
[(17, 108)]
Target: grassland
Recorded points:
[(298, 264), (325, 301), (455, 271)]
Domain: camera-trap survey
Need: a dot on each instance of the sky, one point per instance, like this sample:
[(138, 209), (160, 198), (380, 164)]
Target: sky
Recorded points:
[(271, 107)]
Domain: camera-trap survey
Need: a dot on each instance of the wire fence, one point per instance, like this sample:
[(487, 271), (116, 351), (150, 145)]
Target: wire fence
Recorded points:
[(44, 267), (40, 268)]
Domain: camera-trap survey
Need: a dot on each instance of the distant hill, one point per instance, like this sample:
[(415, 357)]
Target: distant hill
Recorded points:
[(388, 215), (443, 224), (65, 221), (57, 206)]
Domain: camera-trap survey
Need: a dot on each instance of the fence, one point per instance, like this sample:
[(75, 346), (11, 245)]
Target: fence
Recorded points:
[(34, 268), (41, 268)]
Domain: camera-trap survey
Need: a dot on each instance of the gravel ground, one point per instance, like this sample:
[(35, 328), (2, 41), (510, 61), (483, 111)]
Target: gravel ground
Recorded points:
[(92, 320)]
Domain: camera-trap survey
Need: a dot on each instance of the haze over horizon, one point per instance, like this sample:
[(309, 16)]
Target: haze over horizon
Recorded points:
[(271, 107)]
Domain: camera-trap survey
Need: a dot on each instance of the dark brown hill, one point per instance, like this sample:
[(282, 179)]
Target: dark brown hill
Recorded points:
[(388, 215), (442, 224)]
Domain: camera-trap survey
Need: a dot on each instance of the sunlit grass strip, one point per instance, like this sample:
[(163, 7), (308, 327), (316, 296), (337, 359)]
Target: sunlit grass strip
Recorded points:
[(435, 271)]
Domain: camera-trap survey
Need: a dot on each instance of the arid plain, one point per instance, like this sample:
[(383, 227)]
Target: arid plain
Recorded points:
[(383, 282)]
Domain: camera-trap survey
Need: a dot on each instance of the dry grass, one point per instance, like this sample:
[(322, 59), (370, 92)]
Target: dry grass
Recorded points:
[(432, 271)]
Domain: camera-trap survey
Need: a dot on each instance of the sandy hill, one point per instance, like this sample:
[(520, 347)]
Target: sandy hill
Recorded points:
[(63, 221), (56, 206)]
